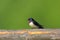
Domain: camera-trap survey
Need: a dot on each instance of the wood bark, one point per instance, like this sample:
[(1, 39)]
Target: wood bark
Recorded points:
[(30, 34)]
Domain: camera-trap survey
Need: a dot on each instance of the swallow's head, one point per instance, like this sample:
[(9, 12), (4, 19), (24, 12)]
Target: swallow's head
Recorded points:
[(30, 20)]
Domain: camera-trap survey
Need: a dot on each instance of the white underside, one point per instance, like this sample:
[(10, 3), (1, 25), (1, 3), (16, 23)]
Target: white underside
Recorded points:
[(32, 25)]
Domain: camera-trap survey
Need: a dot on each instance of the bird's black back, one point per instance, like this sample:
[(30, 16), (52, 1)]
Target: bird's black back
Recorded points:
[(37, 24)]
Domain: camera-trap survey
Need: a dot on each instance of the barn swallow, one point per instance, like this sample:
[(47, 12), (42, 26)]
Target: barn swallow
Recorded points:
[(34, 24)]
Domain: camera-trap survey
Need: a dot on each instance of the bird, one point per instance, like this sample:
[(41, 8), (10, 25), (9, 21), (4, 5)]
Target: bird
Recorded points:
[(34, 24)]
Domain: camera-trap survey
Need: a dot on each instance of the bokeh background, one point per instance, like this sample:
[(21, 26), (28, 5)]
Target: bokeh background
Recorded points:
[(14, 13)]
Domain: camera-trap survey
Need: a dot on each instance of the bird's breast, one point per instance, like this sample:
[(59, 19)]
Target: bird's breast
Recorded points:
[(32, 24)]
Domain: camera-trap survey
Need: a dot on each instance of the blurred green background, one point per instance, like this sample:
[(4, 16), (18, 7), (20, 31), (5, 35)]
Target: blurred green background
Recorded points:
[(14, 13)]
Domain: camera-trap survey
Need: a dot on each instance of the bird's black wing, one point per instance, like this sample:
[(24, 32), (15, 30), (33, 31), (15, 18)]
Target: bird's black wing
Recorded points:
[(37, 24)]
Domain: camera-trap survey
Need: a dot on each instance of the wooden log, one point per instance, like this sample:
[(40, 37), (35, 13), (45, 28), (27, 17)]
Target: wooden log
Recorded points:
[(30, 34)]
